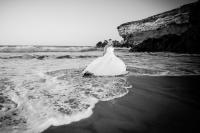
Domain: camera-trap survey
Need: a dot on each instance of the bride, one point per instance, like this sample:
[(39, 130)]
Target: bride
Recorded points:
[(107, 65)]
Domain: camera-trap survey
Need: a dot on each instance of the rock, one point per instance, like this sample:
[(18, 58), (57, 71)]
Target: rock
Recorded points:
[(175, 30)]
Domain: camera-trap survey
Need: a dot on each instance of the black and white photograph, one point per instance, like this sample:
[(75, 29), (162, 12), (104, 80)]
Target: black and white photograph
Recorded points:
[(99, 66)]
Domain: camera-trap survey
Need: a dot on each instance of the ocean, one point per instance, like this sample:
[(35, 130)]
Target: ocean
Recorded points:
[(42, 86)]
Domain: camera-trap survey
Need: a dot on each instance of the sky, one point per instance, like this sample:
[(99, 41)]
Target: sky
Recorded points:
[(72, 22)]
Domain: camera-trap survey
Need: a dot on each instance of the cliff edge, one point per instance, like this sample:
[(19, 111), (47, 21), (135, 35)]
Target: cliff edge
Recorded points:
[(177, 30)]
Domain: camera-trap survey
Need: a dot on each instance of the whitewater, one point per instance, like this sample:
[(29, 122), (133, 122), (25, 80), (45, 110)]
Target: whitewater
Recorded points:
[(41, 89)]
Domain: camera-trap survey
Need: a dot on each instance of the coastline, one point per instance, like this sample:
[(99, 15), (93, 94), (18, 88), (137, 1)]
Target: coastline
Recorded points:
[(154, 104)]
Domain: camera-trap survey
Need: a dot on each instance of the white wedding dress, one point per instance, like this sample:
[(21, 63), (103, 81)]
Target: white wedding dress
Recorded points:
[(107, 65)]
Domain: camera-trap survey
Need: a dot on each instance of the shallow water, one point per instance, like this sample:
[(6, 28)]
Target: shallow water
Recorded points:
[(46, 88)]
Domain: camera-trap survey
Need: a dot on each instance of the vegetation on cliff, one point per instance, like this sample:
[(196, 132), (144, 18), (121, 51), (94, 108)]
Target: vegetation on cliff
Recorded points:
[(116, 43)]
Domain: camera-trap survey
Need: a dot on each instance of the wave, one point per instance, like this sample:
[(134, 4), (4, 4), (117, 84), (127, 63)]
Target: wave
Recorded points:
[(146, 71), (42, 57), (26, 56), (63, 57), (54, 98), (139, 71), (28, 49)]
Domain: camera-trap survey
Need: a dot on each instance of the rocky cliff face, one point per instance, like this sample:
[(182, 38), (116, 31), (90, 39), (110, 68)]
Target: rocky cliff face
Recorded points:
[(171, 25)]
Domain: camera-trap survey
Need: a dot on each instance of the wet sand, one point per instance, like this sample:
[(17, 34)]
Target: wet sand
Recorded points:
[(153, 105)]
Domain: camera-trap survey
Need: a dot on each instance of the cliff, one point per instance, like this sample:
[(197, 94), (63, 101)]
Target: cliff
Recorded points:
[(176, 30)]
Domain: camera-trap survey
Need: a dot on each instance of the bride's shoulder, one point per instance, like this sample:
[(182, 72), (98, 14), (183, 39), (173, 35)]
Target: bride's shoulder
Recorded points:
[(109, 47)]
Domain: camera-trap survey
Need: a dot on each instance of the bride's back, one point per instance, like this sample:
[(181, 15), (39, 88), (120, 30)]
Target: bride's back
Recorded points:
[(109, 49)]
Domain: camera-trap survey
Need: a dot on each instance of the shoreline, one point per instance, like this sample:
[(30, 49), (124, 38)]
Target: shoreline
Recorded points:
[(153, 104)]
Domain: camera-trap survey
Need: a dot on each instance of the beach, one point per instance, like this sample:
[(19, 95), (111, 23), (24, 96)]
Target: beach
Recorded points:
[(154, 104)]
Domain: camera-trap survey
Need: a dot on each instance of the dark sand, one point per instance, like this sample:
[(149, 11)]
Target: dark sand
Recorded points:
[(153, 105)]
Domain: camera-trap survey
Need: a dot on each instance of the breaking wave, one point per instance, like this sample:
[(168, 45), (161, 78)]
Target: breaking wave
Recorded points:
[(42, 57), (32, 48), (53, 98)]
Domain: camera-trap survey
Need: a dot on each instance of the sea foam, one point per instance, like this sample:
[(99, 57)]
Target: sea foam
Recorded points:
[(56, 98)]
